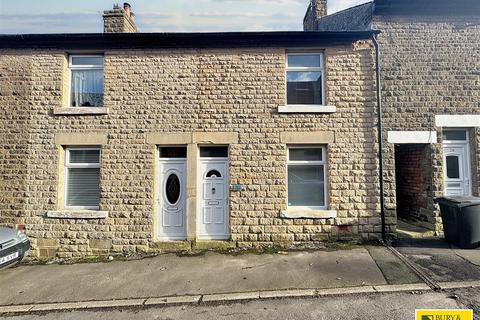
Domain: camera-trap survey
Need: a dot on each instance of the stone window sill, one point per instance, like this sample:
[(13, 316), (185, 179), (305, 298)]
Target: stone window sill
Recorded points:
[(307, 109), (292, 213), (75, 111), (77, 214)]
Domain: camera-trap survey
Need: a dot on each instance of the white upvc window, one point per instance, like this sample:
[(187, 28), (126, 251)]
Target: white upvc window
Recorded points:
[(86, 80), (304, 78), (82, 178), (306, 175)]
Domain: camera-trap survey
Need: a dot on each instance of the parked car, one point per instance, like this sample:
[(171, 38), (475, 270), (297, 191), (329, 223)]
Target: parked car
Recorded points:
[(14, 246)]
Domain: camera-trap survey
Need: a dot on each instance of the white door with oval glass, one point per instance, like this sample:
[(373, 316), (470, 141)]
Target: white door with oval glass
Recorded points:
[(212, 222), (172, 199), (456, 163)]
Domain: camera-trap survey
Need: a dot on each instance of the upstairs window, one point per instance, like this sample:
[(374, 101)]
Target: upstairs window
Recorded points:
[(86, 80), (304, 76), (82, 178)]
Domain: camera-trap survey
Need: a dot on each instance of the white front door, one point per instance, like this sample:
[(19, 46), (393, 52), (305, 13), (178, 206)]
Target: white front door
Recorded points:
[(212, 222), (456, 169), (171, 202)]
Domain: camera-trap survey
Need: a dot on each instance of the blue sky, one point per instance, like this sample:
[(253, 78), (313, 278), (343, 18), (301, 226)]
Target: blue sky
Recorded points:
[(64, 16)]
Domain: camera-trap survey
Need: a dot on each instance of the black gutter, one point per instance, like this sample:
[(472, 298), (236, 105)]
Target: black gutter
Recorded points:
[(380, 134), (181, 40)]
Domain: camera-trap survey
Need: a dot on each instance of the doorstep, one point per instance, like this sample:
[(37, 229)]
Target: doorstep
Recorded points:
[(193, 244), (171, 245), (213, 244)]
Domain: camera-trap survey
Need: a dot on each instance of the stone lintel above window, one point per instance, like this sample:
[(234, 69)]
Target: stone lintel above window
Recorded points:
[(197, 137), (81, 139), (308, 137)]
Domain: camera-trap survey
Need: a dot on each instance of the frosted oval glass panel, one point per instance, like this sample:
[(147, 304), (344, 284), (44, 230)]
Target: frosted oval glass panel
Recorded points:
[(172, 188)]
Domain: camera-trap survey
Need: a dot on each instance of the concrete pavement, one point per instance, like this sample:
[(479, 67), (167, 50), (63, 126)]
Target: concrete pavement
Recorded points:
[(170, 275)]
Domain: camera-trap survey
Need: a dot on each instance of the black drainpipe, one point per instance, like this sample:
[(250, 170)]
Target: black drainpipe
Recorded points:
[(379, 131)]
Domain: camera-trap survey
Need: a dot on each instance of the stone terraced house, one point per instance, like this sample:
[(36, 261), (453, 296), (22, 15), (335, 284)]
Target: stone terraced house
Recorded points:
[(125, 142), (430, 80)]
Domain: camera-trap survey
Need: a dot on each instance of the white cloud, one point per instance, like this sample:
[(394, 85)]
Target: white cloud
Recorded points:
[(337, 5), (171, 16), (216, 22), (218, 14), (263, 1), (51, 23)]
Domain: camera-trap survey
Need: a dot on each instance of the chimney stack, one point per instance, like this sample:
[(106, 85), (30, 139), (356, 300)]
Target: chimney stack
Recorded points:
[(315, 10), (119, 20)]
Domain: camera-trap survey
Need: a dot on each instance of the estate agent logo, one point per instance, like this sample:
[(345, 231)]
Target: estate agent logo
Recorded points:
[(444, 314)]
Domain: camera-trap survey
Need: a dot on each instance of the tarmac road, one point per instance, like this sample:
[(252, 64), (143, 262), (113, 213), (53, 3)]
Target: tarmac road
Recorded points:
[(367, 306)]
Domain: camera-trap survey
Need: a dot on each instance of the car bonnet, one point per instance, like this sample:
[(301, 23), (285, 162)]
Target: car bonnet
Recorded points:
[(7, 234)]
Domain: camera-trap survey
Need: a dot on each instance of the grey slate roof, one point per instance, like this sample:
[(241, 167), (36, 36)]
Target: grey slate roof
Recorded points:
[(358, 18)]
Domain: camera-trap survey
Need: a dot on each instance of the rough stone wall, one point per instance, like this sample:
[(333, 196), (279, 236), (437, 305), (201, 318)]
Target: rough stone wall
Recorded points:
[(16, 84), (315, 10), (199, 90), (475, 153), (427, 69), (118, 21)]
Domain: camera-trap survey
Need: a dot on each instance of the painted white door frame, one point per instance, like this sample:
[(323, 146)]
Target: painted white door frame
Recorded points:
[(459, 149), (211, 201), (172, 215)]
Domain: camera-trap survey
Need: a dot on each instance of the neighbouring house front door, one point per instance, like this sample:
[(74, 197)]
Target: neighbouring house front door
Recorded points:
[(456, 163), (172, 209), (213, 199)]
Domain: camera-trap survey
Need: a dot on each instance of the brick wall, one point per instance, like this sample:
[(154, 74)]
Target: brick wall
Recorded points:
[(413, 178), (186, 91)]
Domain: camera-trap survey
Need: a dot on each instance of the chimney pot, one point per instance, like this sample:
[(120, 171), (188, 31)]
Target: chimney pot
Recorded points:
[(126, 7)]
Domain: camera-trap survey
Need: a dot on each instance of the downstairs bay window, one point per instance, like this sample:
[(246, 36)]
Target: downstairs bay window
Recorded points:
[(306, 175)]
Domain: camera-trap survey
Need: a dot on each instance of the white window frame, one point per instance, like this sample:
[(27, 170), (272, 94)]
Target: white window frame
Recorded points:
[(320, 69), (69, 165), (323, 162), (72, 67)]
